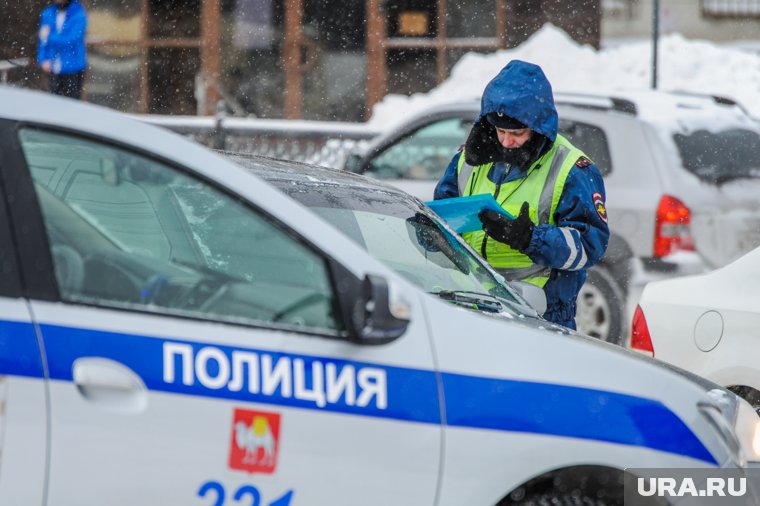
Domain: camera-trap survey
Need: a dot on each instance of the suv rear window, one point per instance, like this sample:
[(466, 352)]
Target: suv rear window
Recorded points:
[(718, 157)]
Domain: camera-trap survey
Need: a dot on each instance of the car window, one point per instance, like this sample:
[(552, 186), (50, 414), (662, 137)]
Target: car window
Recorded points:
[(129, 232), (401, 234), (423, 154), (589, 139), (720, 156)]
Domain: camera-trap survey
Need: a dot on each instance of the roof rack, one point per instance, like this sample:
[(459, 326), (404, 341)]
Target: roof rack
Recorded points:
[(718, 99), (598, 102)]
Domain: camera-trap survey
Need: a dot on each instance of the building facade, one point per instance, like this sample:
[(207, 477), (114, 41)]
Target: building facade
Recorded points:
[(314, 59), (727, 21)]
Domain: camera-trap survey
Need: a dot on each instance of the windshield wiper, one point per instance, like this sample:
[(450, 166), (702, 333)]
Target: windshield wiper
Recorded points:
[(727, 178), (476, 300)]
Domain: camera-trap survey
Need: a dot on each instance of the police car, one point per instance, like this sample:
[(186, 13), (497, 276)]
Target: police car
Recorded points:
[(174, 330)]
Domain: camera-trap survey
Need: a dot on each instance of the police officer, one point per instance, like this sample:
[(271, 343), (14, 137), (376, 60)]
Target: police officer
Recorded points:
[(555, 193)]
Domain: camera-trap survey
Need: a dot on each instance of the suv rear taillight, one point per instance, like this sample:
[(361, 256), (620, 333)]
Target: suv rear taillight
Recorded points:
[(672, 230), (640, 338)]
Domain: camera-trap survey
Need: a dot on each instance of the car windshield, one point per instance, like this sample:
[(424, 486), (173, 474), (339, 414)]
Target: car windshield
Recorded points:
[(720, 156), (406, 238), (401, 233)]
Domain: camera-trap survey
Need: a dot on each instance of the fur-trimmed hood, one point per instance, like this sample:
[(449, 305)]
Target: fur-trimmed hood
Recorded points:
[(522, 91)]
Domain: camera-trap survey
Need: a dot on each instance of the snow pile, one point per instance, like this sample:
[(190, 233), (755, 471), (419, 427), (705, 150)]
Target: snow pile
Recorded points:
[(684, 65)]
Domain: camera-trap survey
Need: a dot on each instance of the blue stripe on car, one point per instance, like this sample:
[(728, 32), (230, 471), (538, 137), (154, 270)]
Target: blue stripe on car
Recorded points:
[(470, 401), (561, 410)]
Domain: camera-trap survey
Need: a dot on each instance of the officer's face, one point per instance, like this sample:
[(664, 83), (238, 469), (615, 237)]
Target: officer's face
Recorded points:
[(511, 139)]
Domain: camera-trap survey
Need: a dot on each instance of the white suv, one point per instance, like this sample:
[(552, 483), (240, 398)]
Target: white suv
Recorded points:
[(682, 174)]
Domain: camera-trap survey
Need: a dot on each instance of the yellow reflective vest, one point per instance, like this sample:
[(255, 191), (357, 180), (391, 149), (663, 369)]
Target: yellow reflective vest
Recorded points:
[(541, 188)]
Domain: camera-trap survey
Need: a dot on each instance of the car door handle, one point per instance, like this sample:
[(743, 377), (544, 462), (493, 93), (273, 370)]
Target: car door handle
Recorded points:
[(110, 384)]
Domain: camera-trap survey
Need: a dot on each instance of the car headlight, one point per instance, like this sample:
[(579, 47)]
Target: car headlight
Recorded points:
[(748, 430), (736, 422)]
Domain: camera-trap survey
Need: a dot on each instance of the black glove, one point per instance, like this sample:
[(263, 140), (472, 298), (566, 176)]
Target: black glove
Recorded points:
[(426, 233), (514, 233)]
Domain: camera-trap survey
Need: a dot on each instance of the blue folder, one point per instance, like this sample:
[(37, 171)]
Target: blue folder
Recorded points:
[(461, 213)]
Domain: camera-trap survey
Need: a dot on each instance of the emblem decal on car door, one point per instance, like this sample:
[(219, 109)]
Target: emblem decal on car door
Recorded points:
[(255, 441)]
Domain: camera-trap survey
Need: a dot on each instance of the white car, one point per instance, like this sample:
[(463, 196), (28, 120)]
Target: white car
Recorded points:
[(174, 330), (707, 324), (681, 172)]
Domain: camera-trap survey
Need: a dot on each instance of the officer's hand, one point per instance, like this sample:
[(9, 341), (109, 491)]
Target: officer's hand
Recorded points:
[(427, 238), (514, 233)]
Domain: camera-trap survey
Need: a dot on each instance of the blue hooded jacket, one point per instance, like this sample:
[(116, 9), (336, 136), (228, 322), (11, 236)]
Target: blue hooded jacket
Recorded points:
[(579, 238), (65, 50), (521, 91)]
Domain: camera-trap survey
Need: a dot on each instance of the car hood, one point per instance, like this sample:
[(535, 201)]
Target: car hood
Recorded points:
[(624, 353)]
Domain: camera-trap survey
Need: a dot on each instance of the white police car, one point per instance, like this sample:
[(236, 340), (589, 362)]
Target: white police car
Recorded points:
[(173, 330)]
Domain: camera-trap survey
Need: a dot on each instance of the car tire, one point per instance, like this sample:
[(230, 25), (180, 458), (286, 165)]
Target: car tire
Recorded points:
[(601, 307), (564, 500), (749, 394)]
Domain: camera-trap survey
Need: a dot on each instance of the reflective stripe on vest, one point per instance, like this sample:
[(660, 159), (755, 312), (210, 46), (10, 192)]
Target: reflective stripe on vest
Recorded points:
[(465, 170), (542, 189)]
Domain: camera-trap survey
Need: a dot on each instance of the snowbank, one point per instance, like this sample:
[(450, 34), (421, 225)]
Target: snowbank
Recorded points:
[(684, 65)]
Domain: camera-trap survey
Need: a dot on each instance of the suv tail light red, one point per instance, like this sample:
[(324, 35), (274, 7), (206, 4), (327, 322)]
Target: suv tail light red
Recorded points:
[(672, 231), (640, 338)]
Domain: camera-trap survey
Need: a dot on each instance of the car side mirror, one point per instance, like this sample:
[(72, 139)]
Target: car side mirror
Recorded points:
[(353, 163), (532, 294), (381, 313), (374, 311)]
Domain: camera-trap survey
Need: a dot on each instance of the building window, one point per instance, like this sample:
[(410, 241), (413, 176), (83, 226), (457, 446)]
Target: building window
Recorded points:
[(620, 9), (731, 8)]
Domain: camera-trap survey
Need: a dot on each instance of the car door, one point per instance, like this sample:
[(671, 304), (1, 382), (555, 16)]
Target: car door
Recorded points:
[(23, 407), (416, 160), (196, 354)]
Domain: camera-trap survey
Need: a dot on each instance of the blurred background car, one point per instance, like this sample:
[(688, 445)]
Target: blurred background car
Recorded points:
[(682, 174), (707, 324)]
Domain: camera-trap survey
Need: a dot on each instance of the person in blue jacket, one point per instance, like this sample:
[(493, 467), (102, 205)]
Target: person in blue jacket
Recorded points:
[(61, 51), (553, 191)]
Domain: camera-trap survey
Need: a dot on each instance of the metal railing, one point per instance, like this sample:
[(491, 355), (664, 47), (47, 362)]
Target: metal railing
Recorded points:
[(9, 64), (319, 142)]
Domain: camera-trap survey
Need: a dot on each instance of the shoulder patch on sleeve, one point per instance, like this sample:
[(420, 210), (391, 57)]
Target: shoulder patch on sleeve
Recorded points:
[(583, 162), (601, 209)]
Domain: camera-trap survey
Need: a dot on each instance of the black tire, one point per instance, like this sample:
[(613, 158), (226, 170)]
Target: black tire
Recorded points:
[(601, 307), (566, 500), (749, 394)]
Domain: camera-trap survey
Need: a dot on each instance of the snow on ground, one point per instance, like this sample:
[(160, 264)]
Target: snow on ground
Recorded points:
[(684, 65)]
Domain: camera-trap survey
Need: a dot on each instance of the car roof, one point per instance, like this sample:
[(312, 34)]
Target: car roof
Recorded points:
[(649, 105), (62, 114), (277, 172), (654, 106), (46, 109)]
